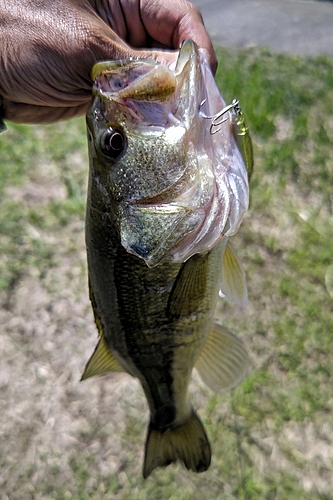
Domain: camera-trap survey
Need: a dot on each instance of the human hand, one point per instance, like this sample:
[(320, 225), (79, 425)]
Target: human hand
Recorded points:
[(49, 48)]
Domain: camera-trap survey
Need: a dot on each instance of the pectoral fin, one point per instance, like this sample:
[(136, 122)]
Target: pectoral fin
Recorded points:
[(223, 361), (101, 362), (233, 277), (189, 288)]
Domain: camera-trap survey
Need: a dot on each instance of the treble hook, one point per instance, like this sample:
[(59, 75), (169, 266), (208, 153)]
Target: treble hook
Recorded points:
[(239, 128), (215, 123)]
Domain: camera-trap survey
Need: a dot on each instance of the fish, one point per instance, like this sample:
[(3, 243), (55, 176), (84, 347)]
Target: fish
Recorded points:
[(164, 196)]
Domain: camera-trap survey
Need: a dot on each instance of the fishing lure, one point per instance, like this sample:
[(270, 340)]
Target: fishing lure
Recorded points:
[(233, 112)]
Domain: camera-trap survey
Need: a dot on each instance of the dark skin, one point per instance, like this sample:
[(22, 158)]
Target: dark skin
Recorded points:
[(48, 48)]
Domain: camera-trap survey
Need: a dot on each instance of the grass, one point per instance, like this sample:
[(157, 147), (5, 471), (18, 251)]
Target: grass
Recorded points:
[(272, 437)]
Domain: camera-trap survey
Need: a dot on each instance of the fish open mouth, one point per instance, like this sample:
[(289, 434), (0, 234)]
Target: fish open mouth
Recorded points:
[(175, 213), (146, 80)]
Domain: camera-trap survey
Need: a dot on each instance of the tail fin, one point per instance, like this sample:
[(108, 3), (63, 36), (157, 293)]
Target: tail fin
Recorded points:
[(187, 442)]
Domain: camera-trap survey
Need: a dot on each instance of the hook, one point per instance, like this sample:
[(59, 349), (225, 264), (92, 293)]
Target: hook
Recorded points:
[(215, 123)]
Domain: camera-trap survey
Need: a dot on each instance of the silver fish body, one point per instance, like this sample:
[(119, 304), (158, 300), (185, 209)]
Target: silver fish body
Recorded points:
[(163, 197)]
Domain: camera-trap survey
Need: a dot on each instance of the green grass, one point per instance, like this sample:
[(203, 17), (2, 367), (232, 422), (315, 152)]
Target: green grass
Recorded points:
[(35, 160), (272, 437)]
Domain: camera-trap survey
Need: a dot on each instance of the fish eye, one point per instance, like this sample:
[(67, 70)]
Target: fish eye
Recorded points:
[(113, 143)]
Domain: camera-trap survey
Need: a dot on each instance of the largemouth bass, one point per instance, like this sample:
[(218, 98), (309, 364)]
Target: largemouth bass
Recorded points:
[(164, 195)]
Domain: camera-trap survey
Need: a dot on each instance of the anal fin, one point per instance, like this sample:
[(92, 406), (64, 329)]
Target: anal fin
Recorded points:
[(223, 361), (101, 361)]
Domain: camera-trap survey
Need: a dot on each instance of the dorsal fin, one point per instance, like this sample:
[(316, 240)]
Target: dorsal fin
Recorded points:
[(233, 284), (101, 361), (223, 361)]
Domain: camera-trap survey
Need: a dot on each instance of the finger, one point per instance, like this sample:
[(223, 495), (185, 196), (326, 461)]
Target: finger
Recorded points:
[(187, 23), (199, 35), (157, 24), (28, 113), (49, 62)]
